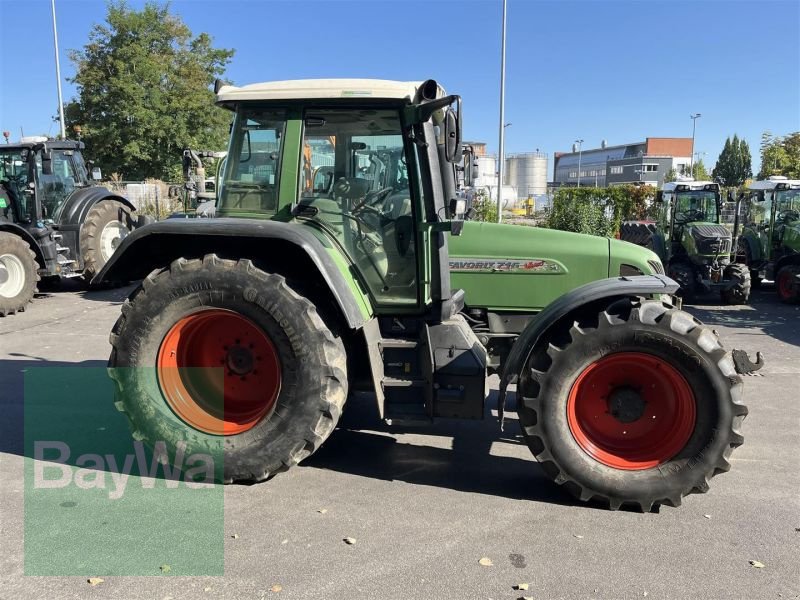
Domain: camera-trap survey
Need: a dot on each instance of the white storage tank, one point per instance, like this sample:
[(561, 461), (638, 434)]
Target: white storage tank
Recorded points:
[(527, 172), (487, 171)]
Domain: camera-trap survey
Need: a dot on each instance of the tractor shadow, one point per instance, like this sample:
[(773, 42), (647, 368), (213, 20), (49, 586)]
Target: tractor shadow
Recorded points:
[(764, 313), (76, 285), (478, 459)]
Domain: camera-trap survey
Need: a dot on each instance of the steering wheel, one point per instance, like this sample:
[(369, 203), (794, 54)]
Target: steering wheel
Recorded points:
[(692, 214), (788, 215), (372, 199)]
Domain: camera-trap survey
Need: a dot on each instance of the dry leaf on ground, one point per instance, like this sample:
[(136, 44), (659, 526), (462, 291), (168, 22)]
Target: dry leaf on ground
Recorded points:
[(94, 580), (486, 562), (349, 541)]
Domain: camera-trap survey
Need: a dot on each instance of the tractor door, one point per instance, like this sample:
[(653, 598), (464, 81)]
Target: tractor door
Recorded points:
[(758, 220), (57, 180), (357, 182)]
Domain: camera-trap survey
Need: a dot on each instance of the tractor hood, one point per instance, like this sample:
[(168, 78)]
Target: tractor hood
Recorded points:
[(707, 239), (523, 269)]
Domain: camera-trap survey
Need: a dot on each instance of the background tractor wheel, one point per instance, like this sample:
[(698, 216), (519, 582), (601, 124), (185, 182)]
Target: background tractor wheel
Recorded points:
[(743, 255), (636, 405), (786, 284), (683, 274), (18, 274), (105, 227), (228, 357), (739, 292)]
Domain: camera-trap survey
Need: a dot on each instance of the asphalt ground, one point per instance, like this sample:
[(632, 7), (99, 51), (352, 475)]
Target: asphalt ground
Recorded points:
[(424, 505)]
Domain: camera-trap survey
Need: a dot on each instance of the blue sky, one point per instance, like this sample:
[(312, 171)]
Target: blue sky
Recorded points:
[(620, 70)]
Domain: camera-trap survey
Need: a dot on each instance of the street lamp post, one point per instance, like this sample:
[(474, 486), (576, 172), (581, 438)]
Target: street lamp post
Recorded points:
[(694, 118), (580, 152), (501, 152), (58, 73)]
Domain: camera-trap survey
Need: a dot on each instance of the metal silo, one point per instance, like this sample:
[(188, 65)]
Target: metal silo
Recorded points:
[(527, 172), (487, 171)]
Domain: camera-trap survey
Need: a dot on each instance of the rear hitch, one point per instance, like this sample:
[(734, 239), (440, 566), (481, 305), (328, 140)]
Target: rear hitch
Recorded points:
[(743, 364)]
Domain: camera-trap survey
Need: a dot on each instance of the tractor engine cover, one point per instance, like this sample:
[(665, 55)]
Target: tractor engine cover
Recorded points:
[(712, 239), (459, 369)]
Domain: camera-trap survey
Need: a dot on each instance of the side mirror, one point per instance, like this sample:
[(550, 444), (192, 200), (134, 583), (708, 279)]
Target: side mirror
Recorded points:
[(47, 163), (97, 174), (731, 197), (660, 196), (452, 135), (470, 167)]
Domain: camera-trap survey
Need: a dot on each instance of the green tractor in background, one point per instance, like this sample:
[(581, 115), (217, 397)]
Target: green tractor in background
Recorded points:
[(692, 242), (335, 262), (770, 240)]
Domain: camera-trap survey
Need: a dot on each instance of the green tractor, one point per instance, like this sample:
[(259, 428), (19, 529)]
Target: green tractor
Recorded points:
[(55, 221), (691, 240), (770, 240), (335, 262)]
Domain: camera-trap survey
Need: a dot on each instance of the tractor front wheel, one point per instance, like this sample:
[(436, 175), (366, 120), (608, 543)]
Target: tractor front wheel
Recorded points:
[(106, 225), (231, 361), (787, 285), (683, 273), (18, 274), (739, 291), (638, 405)]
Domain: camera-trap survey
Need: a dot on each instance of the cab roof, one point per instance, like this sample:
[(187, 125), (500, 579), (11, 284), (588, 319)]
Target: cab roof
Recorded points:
[(688, 185), (48, 143), (776, 182), (302, 89)]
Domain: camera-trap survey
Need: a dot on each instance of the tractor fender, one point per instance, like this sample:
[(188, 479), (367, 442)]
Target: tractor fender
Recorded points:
[(7, 226), (156, 245), (78, 205), (658, 246), (753, 247), (789, 259), (561, 307)]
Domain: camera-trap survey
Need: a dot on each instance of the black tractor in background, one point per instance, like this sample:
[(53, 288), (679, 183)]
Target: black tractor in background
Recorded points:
[(55, 221)]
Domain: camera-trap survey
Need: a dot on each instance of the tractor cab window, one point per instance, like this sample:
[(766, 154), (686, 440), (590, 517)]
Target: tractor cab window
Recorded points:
[(14, 174), (758, 213), (354, 182), (787, 206), (56, 187), (249, 184), (696, 206)]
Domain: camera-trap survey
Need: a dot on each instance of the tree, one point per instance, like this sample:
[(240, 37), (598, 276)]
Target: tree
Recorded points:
[(143, 92), (672, 175), (734, 165), (699, 171), (780, 155)]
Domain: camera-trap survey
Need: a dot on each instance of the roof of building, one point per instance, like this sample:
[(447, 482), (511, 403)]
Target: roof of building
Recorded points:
[(774, 182), (300, 89)]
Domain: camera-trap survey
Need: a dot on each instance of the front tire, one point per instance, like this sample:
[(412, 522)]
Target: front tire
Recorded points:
[(637, 405), (683, 273), (786, 284), (739, 291), (18, 274), (106, 225), (273, 381)]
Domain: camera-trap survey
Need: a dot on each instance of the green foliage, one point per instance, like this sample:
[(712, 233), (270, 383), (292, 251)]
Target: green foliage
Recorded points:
[(144, 92), (734, 165), (780, 155), (699, 171), (485, 207), (672, 175), (599, 211)]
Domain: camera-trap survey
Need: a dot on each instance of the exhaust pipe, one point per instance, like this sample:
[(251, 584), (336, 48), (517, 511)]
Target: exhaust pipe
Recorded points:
[(427, 91)]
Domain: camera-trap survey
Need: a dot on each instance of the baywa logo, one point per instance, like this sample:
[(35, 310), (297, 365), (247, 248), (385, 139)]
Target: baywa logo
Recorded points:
[(53, 468)]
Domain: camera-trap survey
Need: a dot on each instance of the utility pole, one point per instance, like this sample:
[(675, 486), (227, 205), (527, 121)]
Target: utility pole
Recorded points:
[(580, 152), (694, 118), (501, 153), (58, 73)]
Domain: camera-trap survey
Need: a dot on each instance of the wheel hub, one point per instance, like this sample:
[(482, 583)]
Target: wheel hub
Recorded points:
[(239, 360), (626, 404), (12, 276)]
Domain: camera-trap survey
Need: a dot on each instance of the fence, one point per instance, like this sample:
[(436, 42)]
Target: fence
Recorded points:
[(153, 197)]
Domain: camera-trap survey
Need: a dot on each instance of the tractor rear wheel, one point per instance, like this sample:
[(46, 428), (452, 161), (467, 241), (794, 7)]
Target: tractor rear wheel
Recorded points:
[(638, 405), (786, 283), (106, 225), (228, 358), (18, 274), (739, 291)]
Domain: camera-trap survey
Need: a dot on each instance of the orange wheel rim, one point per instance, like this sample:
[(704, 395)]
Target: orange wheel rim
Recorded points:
[(219, 372), (631, 411)]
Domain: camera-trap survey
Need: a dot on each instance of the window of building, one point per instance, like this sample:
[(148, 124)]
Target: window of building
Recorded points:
[(573, 173), (616, 170), (649, 168)]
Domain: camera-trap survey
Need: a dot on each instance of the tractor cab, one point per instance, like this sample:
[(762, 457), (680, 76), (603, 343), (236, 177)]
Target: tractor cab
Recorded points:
[(770, 238)]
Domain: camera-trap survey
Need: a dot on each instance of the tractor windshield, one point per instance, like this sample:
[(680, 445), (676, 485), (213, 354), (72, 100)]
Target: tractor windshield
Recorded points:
[(696, 206), (787, 205)]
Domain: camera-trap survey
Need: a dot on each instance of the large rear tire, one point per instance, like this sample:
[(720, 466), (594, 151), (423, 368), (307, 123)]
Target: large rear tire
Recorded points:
[(106, 225), (638, 405), (265, 349), (18, 274)]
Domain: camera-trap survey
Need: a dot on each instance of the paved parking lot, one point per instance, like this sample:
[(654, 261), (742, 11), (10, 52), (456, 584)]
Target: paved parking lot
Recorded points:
[(425, 505)]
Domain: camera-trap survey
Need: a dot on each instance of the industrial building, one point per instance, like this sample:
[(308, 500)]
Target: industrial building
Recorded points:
[(646, 162), (525, 175)]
